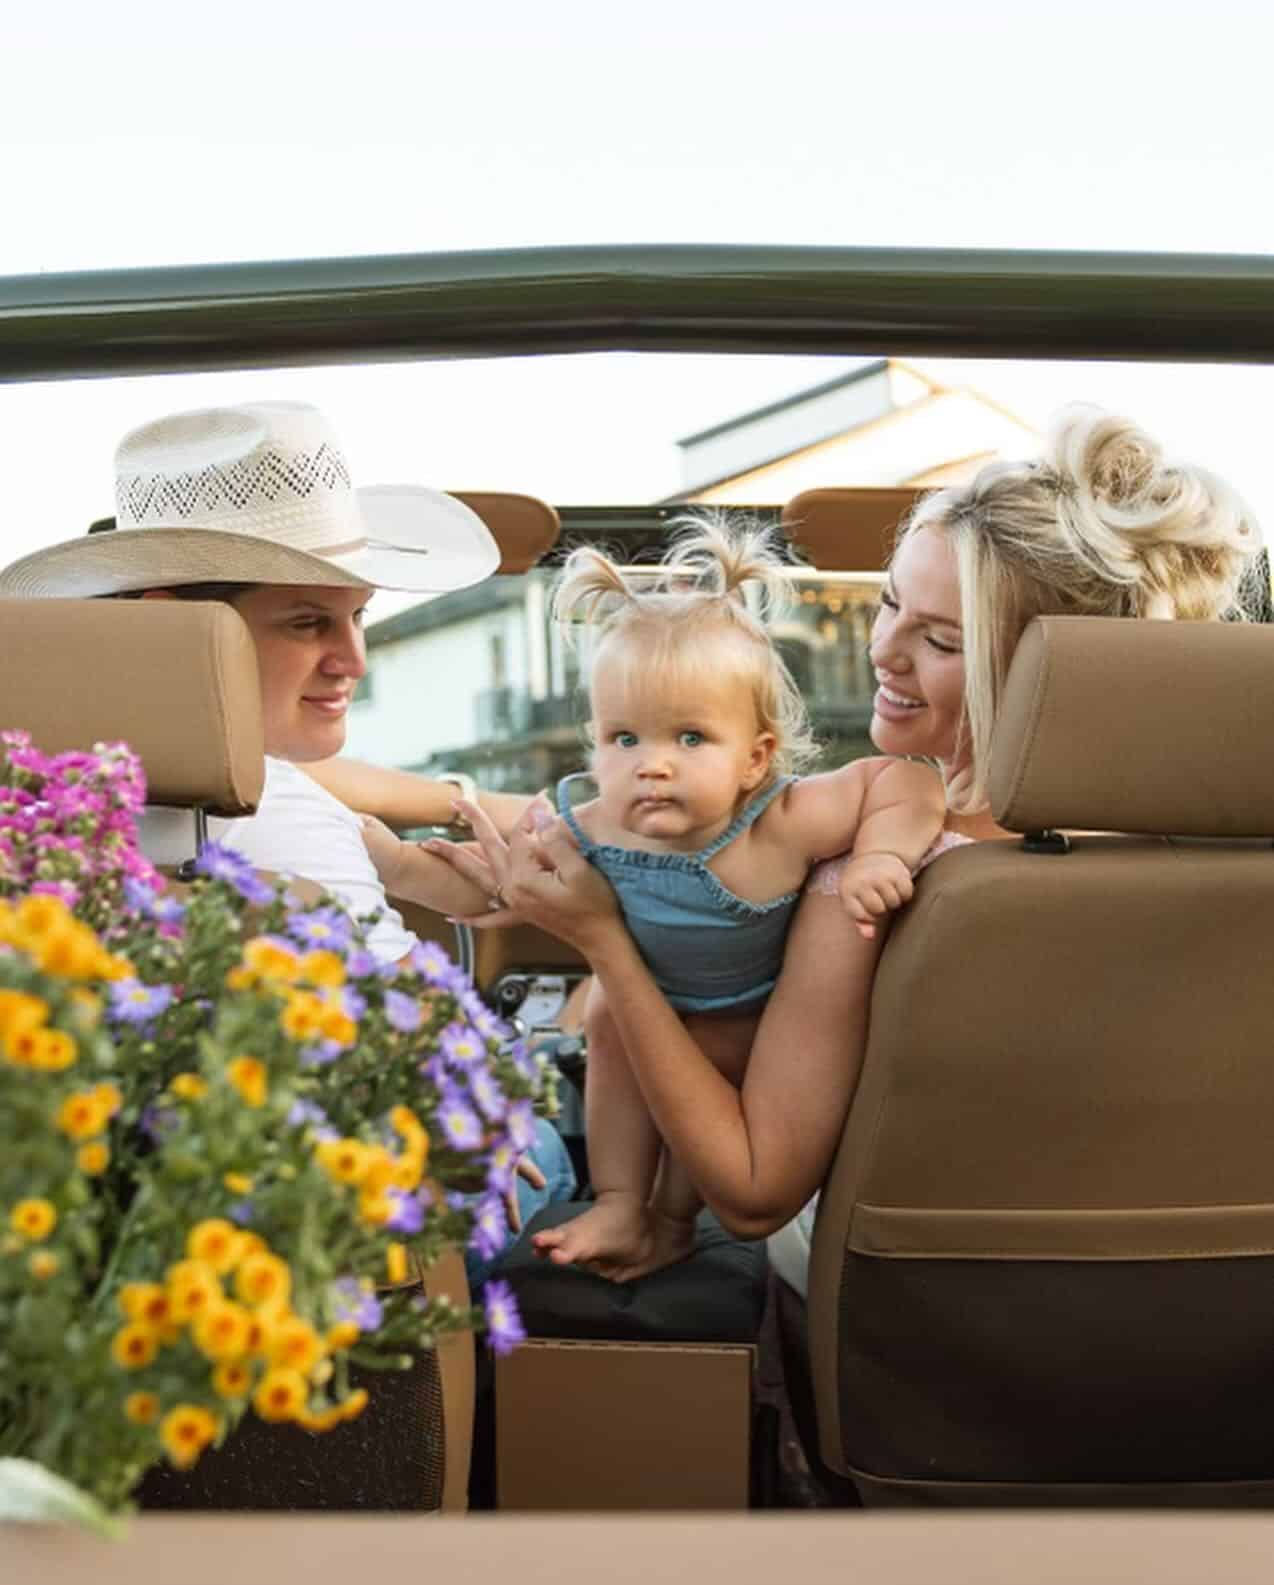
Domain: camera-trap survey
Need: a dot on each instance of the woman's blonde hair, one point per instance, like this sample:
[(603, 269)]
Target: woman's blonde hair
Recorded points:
[(688, 620), (1101, 524)]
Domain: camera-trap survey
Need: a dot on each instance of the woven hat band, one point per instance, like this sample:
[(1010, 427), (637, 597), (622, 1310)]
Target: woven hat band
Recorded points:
[(221, 493)]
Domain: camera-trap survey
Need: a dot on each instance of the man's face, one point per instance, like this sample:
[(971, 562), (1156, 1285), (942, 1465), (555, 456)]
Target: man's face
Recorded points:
[(311, 653)]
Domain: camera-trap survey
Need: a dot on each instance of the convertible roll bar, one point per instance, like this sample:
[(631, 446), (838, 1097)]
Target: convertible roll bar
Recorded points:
[(1217, 308)]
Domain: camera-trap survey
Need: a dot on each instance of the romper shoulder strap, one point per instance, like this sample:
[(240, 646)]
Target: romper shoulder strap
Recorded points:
[(567, 812), (746, 816)]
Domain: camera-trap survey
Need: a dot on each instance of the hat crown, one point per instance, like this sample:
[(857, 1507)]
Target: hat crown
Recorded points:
[(235, 468)]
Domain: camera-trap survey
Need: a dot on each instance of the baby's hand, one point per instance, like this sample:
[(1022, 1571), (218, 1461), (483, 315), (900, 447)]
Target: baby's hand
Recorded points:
[(385, 848), (872, 885)]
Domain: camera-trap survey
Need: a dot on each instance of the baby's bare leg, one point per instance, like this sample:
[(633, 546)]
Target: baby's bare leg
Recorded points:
[(623, 1153), (727, 1043)]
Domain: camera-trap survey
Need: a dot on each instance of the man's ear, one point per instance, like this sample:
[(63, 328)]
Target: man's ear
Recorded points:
[(763, 746), (158, 594)]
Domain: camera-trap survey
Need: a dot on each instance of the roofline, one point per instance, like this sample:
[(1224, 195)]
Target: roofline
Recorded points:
[(797, 399), (838, 301)]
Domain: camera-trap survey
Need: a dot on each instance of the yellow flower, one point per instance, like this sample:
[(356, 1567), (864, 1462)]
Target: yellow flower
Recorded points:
[(336, 1024), (295, 1345), (146, 1302), (396, 1263), (216, 1242), (53, 1050), (19, 1012), (43, 1264), (263, 1278), (114, 967), (240, 979), (231, 1379), (322, 1420), (248, 1076), (354, 1404), (134, 1346), (408, 1171), (238, 1183), (345, 1160), (81, 1115), (375, 1209), (40, 915), (109, 1098), (222, 1331), (34, 1219), (93, 1159), (323, 968), (142, 1408), (344, 1334), (188, 1086), (302, 1018), (270, 959), (281, 1394), (192, 1289), (185, 1432)]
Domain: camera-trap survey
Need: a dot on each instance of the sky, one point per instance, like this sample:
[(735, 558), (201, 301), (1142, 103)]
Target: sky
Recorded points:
[(144, 134)]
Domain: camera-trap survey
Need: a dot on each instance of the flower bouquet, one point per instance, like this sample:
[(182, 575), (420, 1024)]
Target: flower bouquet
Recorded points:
[(227, 1136)]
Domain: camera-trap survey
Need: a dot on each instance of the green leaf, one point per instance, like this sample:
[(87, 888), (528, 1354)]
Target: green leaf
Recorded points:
[(31, 1494)]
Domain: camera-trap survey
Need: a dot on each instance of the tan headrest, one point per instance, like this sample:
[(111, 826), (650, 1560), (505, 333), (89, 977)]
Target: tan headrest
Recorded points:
[(176, 680), (1163, 728), (524, 528), (847, 530)]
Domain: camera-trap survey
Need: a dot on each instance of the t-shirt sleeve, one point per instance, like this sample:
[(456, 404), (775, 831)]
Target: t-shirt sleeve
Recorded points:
[(300, 829)]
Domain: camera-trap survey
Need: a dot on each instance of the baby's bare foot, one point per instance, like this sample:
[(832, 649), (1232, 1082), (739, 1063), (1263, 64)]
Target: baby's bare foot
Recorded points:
[(670, 1241), (617, 1231)]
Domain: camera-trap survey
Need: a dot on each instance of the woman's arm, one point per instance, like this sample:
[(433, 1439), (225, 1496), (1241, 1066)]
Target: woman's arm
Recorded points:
[(755, 1154), (403, 799)]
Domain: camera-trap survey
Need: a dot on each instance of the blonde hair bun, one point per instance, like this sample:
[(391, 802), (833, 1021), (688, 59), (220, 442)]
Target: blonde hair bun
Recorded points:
[(1173, 534)]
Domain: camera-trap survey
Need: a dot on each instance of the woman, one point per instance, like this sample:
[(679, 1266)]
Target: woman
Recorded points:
[(253, 505), (1101, 525)]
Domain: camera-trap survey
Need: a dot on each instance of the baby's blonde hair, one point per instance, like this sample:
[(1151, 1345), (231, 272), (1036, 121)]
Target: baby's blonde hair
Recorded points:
[(1101, 524), (688, 620)]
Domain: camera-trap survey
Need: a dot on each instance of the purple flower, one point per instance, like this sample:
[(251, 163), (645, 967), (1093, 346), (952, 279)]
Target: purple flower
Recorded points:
[(490, 1227), (403, 1012), (461, 1045), (523, 1060), (501, 1164), (520, 1123), (157, 1122), (431, 962), (355, 1303), (242, 1212), (309, 1114), (221, 863), (491, 1099), (326, 928), (354, 1002), (138, 1004), (486, 1023), (408, 1215), (504, 1325), (460, 1126), (360, 964), (320, 1052)]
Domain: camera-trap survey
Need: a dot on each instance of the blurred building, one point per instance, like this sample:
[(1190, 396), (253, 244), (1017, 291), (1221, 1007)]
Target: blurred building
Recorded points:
[(481, 681)]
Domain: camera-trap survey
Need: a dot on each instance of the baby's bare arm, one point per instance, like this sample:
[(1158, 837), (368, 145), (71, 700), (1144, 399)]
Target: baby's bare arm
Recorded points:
[(873, 805)]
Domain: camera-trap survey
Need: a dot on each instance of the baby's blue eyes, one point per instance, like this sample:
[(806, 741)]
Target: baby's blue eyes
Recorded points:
[(690, 739), (626, 739), (687, 739)]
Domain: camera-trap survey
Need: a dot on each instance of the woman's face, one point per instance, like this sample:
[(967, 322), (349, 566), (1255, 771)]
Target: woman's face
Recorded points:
[(310, 653), (916, 650)]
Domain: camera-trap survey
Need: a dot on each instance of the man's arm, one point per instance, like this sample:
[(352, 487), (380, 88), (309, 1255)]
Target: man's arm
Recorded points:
[(404, 800)]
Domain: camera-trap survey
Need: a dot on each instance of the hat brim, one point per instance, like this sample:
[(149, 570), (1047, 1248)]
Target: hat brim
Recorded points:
[(417, 540)]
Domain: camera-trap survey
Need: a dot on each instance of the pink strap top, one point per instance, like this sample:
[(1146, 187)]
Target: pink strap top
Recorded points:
[(825, 877)]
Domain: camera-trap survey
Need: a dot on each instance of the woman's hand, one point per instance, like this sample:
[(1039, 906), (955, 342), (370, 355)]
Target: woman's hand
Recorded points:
[(538, 877)]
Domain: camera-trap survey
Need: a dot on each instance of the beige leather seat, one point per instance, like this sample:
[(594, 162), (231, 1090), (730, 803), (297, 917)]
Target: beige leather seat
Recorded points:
[(1043, 1268), (178, 683)]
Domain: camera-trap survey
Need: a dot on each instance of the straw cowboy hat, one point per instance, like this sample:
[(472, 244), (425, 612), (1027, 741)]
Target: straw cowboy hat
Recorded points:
[(258, 494)]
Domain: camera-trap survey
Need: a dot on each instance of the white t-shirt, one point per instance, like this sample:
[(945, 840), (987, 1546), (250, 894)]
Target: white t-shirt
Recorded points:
[(300, 829)]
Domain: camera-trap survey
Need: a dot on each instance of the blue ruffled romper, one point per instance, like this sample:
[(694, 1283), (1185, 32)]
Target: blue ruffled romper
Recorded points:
[(708, 950)]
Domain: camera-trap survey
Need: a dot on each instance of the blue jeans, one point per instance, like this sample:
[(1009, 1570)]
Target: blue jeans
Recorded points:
[(552, 1158)]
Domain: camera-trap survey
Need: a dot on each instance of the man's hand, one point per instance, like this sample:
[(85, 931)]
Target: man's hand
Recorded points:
[(872, 885)]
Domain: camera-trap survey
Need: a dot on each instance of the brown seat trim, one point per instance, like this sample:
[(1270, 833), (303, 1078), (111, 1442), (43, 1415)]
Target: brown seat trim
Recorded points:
[(1187, 1232)]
